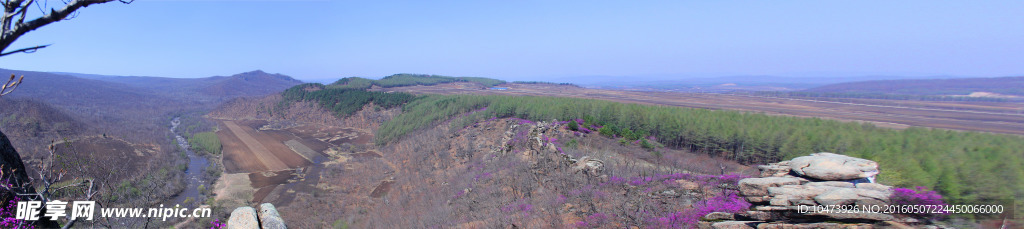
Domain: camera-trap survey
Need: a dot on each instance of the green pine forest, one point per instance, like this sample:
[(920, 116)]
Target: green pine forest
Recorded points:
[(960, 165), (399, 80), (342, 101)]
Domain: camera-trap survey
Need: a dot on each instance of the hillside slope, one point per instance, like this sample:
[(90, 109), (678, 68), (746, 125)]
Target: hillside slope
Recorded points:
[(217, 88), (961, 86)]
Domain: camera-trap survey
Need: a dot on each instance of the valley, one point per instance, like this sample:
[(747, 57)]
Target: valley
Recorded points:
[(474, 155)]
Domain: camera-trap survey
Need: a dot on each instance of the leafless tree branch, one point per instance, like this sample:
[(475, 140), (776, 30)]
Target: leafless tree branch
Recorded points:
[(17, 9), (25, 50), (10, 85)]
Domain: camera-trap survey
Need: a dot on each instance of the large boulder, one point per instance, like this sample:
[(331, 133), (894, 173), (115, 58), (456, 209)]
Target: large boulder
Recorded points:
[(269, 218), (759, 186), (833, 167), (589, 166), (243, 218), (796, 194), (774, 169), (839, 196)]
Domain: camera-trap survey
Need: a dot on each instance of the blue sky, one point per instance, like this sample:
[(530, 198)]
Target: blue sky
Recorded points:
[(534, 40)]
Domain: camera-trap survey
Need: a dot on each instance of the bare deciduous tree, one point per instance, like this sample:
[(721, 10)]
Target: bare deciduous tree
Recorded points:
[(13, 22), (10, 85)]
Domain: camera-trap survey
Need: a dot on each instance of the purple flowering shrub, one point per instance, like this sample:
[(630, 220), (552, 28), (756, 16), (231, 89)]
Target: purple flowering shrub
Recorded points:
[(720, 187), (518, 207), (216, 224), (7, 212), (596, 220), (917, 196), (725, 202)]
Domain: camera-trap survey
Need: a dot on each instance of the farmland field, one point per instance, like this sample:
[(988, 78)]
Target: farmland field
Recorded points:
[(278, 163), (971, 116)]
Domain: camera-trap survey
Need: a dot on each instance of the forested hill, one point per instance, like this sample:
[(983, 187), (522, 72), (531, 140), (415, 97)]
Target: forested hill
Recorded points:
[(961, 165), (399, 80), (960, 86), (253, 83)]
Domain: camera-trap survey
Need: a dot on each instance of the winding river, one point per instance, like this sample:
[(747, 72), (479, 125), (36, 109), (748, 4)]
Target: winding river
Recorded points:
[(194, 174)]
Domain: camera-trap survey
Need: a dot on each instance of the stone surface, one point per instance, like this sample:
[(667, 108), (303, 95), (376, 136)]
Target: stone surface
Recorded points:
[(833, 167), (874, 186), (874, 194), (757, 215), (719, 216), (839, 196), (243, 218), (759, 186), (735, 224), (799, 191), (269, 217), (773, 170), (838, 184), (813, 226), (824, 179), (589, 166), (862, 216)]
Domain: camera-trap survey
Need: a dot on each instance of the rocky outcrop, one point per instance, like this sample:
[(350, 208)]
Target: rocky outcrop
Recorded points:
[(787, 191), (247, 218), (833, 167), (243, 218), (589, 166), (13, 170), (269, 218), (536, 141), (10, 162)]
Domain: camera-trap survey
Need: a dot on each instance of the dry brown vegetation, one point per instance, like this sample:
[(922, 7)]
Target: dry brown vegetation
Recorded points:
[(415, 182)]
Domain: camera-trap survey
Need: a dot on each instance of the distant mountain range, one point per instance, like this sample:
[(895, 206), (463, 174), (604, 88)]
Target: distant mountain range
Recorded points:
[(131, 106), (245, 84)]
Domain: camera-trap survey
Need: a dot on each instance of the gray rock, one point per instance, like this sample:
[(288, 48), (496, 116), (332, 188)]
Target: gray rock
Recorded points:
[(799, 191), (773, 170), (759, 186), (589, 166), (861, 215), (719, 216), (269, 218), (735, 224), (873, 186), (758, 199), (243, 218), (813, 226), (774, 208), (833, 167), (808, 202), (780, 200), (868, 203), (758, 215), (839, 184), (874, 194), (839, 196)]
